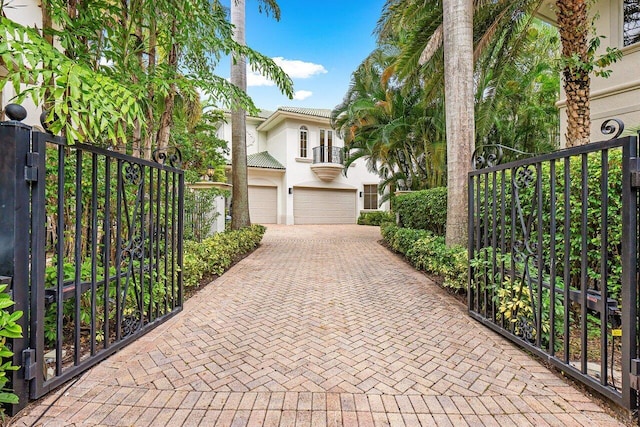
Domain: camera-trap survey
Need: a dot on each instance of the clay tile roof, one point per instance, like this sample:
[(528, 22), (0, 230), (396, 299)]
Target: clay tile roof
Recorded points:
[(318, 112), (263, 160)]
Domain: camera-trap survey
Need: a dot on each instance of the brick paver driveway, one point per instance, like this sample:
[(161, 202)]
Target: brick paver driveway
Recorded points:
[(320, 326)]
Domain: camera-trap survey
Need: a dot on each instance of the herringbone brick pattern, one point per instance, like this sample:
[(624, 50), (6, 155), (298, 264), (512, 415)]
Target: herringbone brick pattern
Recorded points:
[(321, 326)]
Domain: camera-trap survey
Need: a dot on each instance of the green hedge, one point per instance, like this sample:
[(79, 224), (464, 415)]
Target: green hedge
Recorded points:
[(424, 210), (501, 185), (375, 218), (429, 253), (213, 256)]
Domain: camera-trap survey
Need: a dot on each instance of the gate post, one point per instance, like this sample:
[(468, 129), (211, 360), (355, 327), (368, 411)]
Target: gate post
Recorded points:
[(629, 273), (15, 220)]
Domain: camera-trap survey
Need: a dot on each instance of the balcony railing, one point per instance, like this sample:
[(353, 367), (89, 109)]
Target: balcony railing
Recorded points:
[(323, 154)]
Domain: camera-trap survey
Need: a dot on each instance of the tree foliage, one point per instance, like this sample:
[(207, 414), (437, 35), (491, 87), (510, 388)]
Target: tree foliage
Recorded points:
[(393, 113), (122, 69)]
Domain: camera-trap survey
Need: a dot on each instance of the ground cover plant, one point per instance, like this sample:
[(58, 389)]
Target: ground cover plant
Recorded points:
[(420, 237), (375, 218), (8, 329), (428, 252), (213, 256)]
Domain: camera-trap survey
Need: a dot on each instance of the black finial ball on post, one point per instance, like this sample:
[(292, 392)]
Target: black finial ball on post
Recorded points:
[(15, 112)]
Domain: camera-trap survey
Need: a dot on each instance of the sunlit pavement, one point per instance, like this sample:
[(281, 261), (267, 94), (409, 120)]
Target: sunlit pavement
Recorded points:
[(321, 326)]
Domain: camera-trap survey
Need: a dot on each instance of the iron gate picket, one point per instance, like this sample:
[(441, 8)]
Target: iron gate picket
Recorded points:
[(97, 251), (553, 250)]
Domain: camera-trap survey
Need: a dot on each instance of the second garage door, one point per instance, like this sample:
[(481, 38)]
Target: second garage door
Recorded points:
[(320, 206), (263, 205)]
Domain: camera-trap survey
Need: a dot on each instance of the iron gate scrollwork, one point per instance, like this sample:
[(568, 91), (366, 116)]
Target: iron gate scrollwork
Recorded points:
[(106, 254), (553, 255)]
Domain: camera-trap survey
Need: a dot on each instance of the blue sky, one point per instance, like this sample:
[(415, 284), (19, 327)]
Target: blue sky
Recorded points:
[(319, 44)]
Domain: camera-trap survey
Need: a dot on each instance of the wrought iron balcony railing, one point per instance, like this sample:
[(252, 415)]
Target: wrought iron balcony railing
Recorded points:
[(323, 154)]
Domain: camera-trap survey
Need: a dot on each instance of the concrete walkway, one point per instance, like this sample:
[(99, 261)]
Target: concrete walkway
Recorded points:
[(321, 326)]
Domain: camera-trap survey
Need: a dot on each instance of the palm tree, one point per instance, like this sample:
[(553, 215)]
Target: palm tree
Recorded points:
[(509, 65), (240, 193), (445, 39), (387, 125), (458, 89), (573, 24), (515, 101), (143, 56)]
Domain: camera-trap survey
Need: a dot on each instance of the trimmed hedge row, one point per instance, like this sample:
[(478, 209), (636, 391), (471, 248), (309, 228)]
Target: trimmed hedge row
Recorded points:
[(213, 256), (429, 253), (375, 218), (423, 210)]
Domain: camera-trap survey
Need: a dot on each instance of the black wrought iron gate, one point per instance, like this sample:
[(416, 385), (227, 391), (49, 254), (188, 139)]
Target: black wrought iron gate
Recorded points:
[(91, 242), (553, 249)]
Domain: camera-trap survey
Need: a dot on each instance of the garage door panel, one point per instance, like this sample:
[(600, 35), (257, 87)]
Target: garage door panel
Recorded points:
[(263, 205), (316, 206)]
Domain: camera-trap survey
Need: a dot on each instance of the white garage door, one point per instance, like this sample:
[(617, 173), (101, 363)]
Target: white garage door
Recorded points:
[(263, 205), (319, 206)]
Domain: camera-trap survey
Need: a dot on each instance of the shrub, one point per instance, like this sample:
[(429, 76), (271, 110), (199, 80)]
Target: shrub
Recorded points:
[(213, 256), (405, 238), (424, 210), (375, 218), (429, 253), (388, 232), (8, 329), (524, 208)]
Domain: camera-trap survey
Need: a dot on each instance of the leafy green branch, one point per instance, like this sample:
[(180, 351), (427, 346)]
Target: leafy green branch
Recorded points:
[(9, 329)]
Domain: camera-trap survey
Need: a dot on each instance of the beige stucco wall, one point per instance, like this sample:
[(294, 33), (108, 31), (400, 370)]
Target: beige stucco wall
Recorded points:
[(27, 13)]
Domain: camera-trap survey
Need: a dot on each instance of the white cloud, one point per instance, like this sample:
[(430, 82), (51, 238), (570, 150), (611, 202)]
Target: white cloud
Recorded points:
[(296, 69), (302, 94), (299, 69), (256, 79)]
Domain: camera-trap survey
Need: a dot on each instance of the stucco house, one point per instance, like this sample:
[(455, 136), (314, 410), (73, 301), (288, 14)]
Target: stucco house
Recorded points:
[(295, 170), (617, 96)]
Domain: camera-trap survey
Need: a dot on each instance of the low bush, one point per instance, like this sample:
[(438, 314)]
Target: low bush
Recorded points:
[(388, 232), (424, 210), (429, 253), (405, 238), (213, 256), (9, 328), (375, 218)]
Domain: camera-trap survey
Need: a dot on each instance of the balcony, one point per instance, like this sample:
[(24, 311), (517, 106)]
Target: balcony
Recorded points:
[(327, 162)]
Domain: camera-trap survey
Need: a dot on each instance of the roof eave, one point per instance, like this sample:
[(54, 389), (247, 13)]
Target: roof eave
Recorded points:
[(279, 116)]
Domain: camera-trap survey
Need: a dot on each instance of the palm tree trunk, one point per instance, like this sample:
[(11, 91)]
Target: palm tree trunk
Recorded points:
[(240, 194), (459, 104), (573, 23)]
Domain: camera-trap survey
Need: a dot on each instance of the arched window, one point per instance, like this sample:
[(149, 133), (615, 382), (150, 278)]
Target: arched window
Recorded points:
[(304, 138)]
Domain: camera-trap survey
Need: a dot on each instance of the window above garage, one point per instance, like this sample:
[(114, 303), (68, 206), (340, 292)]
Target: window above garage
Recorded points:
[(304, 141)]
